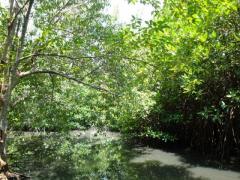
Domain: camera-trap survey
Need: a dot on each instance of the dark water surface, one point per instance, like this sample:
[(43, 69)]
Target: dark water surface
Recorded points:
[(86, 155)]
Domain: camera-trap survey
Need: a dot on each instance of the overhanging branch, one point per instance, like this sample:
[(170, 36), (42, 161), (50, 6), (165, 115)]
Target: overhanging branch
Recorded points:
[(59, 56), (83, 57), (26, 74)]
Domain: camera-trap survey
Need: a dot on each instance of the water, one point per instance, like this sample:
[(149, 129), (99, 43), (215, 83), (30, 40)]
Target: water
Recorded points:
[(89, 155)]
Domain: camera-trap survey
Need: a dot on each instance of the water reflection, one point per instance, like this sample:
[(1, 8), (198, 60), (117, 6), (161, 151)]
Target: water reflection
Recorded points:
[(58, 156)]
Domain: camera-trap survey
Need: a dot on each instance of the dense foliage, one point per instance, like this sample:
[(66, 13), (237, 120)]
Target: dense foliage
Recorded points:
[(194, 46)]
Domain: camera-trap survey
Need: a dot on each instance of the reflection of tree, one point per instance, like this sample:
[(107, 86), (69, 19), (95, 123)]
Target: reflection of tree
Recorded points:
[(62, 157)]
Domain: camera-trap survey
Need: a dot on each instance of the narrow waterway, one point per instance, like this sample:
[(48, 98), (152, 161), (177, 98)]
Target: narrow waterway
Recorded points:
[(91, 155)]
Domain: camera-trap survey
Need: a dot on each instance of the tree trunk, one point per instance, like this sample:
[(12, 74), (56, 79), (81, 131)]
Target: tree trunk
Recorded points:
[(6, 91), (4, 124), (9, 79)]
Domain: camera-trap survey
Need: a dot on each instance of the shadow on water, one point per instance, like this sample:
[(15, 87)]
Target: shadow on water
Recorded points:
[(65, 157), (155, 170)]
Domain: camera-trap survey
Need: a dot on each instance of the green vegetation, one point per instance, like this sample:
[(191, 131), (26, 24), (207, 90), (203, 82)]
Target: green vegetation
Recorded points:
[(194, 47), (66, 65)]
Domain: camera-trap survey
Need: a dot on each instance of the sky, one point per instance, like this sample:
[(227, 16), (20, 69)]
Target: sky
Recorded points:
[(123, 11)]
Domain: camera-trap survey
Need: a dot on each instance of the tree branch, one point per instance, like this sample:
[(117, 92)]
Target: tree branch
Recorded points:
[(22, 39), (83, 57), (18, 12), (26, 74), (59, 55)]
